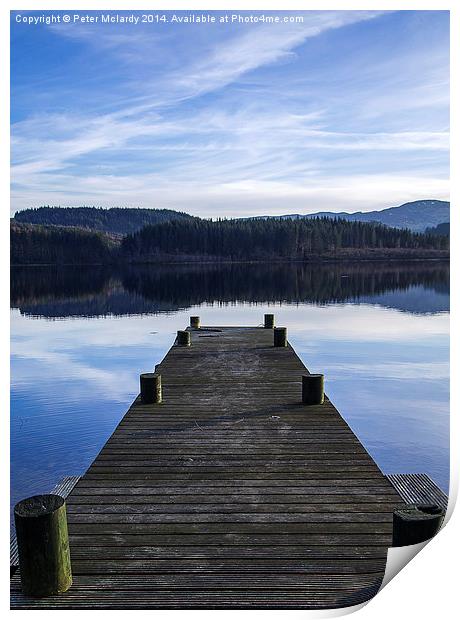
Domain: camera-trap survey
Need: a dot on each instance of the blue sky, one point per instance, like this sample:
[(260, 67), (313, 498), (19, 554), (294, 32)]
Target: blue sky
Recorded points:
[(348, 110)]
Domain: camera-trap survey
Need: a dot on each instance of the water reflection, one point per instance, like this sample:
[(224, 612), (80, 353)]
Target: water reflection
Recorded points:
[(92, 292), (378, 331)]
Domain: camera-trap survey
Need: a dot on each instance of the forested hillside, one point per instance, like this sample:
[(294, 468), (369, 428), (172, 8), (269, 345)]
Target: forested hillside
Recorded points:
[(258, 239), (238, 240), (56, 245), (118, 221)]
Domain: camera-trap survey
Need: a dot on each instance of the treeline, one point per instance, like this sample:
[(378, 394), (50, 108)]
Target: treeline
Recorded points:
[(55, 245), (255, 239), (231, 240), (120, 221)]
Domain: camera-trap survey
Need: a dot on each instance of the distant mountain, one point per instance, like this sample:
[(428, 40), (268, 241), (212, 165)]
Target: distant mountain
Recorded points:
[(416, 216), (440, 229), (119, 221)]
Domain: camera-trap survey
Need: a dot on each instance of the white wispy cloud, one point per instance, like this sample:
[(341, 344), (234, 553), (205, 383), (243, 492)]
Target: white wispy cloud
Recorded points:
[(261, 46), (235, 199), (185, 140)]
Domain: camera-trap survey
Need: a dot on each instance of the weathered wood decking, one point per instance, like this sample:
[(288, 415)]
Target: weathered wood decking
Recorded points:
[(418, 489), (230, 494)]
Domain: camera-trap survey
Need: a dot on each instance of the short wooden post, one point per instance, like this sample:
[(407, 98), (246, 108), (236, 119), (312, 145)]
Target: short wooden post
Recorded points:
[(269, 321), (184, 338), (43, 545), (416, 523), (195, 322), (280, 337), (150, 387), (313, 389)]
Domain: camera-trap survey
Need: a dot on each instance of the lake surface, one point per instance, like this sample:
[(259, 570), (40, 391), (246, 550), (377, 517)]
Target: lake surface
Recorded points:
[(81, 336)]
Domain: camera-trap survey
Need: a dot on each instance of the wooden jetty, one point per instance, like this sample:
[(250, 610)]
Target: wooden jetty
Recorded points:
[(230, 494)]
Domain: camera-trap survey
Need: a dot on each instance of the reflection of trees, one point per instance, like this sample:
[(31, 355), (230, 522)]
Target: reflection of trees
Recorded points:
[(37, 284), (60, 292)]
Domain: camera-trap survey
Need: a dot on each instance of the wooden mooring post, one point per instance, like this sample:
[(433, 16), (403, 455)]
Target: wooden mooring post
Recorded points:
[(195, 322), (150, 384), (313, 389), (184, 338), (269, 321), (416, 523), (43, 545), (280, 337)]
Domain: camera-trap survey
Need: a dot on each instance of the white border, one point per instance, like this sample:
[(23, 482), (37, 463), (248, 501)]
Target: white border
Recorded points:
[(427, 588)]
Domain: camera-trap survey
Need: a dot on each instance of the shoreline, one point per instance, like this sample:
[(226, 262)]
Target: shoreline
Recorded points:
[(318, 260)]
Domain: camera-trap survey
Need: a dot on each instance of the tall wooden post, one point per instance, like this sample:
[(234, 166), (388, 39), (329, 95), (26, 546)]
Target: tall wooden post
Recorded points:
[(150, 387), (280, 337), (269, 321), (43, 545), (195, 322), (416, 523), (313, 389), (184, 338)]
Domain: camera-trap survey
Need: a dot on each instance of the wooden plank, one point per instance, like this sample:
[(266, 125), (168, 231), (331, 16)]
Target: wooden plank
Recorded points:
[(320, 570), (224, 476), (224, 580), (243, 486), (134, 534), (235, 503), (147, 487), (345, 514), (173, 599), (121, 523)]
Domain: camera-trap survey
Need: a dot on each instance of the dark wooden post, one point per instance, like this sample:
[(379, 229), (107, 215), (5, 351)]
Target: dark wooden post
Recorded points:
[(150, 387), (416, 523), (280, 337), (195, 322), (313, 389), (183, 338), (269, 321), (43, 545)]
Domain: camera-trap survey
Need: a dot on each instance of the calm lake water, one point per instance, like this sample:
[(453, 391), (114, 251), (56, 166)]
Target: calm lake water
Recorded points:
[(81, 336)]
